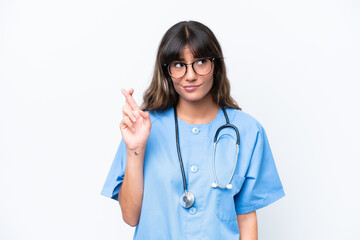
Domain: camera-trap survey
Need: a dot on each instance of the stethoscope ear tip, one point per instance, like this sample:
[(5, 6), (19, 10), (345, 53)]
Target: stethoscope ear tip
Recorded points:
[(215, 185)]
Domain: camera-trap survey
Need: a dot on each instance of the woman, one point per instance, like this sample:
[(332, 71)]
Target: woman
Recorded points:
[(172, 175)]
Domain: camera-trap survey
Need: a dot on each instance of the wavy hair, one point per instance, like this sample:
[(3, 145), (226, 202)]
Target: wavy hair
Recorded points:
[(202, 42)]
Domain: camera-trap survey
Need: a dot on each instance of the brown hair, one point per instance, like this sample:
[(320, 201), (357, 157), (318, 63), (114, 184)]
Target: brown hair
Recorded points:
[(161, 94)]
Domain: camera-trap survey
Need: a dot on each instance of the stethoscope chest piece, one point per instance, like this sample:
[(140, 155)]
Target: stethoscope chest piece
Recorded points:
[(187, 199)]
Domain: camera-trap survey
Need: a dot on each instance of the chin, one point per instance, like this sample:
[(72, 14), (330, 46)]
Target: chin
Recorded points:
[(192, 97)]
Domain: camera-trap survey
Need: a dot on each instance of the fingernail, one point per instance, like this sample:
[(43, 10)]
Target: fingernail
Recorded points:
[(133, 129), (134, 119)]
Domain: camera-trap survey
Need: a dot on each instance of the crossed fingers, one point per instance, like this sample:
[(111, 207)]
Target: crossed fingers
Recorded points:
[(130, 100)]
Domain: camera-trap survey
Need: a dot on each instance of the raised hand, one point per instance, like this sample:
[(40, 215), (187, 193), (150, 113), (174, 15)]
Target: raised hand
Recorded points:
[(136, 125)]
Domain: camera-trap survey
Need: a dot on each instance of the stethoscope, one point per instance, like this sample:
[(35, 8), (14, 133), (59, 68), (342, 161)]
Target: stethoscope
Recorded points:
[(187, 199)]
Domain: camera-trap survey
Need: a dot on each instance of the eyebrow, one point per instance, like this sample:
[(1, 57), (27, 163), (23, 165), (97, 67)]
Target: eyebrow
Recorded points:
[(183, 59)]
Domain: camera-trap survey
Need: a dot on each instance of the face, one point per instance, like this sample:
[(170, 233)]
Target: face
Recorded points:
[(192, 87)]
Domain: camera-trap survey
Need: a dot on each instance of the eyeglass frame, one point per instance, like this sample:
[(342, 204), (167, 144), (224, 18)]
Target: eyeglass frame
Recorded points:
[(167, 65)]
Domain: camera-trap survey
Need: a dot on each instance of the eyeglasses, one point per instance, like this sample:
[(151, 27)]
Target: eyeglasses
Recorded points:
[(201, 67)]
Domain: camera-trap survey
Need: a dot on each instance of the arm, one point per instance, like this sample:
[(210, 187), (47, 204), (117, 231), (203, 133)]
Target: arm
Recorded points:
[(135, 129), (131, 191), (248, 226)]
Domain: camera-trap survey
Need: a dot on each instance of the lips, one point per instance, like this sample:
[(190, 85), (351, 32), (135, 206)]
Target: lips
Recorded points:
[(190, 88)]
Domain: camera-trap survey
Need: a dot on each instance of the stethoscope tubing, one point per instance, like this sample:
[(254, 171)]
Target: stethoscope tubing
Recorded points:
[(187, 199), (179, 152)]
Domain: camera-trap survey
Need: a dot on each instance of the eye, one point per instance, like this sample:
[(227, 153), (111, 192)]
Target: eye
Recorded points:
[(178, 65), (202, 61)]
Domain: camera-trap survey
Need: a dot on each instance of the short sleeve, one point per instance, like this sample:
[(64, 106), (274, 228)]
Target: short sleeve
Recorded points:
[(116, 174), (262, 184)]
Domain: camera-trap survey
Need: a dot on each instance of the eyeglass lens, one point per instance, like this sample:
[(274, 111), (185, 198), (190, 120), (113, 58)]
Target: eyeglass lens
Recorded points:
[(200, 67)]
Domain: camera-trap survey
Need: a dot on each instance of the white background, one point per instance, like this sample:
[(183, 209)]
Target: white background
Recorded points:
[(293, 65)]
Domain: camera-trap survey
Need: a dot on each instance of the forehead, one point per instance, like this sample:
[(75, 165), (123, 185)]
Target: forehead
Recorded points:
[(188, 53), (185, 52)]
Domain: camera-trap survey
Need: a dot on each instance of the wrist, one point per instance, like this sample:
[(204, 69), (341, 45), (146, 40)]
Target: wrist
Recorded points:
[(137, 150)]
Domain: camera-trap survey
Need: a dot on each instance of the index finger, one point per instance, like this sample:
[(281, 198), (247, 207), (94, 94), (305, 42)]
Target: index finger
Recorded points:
[(130, 100)]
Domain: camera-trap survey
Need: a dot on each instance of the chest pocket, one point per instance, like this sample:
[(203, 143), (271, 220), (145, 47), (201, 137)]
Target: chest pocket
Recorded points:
[(225, 204)]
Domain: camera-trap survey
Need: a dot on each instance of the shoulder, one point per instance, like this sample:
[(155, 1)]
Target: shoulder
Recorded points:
[(160, 116), (249, 127), (162, 124), (243, 119)]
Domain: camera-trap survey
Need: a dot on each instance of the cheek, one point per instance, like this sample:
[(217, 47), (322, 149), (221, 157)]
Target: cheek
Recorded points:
[(210, 82), (176, 85)]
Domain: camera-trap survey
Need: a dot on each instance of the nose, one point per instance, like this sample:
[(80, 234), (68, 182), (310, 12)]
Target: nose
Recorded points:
[(190, 74)]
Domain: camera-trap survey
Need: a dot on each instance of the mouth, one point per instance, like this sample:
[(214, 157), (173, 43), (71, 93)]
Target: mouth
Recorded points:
[(190, 88)]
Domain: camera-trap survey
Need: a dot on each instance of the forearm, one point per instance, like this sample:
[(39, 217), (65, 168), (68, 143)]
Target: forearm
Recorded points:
[(248, 226), (131, 191)]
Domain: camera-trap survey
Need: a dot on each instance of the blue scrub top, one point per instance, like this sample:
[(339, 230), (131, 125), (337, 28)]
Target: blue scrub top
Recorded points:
[(255, 183)]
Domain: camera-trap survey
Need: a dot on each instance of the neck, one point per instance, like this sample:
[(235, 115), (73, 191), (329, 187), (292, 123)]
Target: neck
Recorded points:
[(197, 112)]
